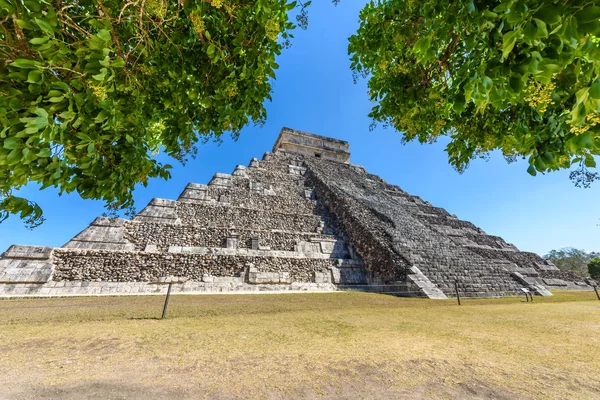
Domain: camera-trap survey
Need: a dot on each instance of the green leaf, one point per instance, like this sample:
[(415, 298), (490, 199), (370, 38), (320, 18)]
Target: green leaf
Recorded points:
[(24, 24), (5, 5), (516, 83), (37, 123), (24, 63), (118, 63), (548, 158), (102, 115), (11, 143), (44, 153), (34, 76), (503, 6), (44, 26), (459, 104), (67, 115), (422, 44), (586, 140), (129, 138), (13, 157), (549, 14), (508, 42), (542, 31), (40, 40), (582, 95), (40, 112), (589, 14), (104, 34), (578, 114), (539, 164), (531, 170), (105, 62), (589, 161), (490, 15), (532, 67), (594, 90), (487, 83), (210, 50)]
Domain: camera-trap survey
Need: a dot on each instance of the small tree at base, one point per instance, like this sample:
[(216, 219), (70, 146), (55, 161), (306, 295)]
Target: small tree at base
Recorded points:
[(594, 268)]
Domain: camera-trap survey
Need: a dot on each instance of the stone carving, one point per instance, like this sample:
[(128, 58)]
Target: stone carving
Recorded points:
[(302, 218)]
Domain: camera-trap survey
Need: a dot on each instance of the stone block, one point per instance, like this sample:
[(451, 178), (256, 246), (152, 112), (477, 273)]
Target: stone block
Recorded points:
[(322, 277), (28, 252), (220, 180), (240, 170), (233, 239), (285, 277), (195, 193), (254, 238), (20, 270)]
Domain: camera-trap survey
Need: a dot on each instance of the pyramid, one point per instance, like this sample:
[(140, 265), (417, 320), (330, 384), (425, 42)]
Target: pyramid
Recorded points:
[(302, 218)]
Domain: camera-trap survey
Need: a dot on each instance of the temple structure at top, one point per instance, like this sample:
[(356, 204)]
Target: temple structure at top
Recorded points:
[(311, 145)]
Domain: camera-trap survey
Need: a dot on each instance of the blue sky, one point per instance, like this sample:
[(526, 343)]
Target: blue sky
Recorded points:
[(314, 92)]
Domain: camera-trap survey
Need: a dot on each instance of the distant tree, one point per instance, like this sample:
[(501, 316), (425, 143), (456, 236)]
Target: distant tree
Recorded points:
[(92, 90), (571, 259), (594, 268), (519, 76)]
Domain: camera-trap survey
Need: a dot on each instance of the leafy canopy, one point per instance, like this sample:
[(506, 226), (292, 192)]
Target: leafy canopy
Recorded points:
[(594, 268), (521, 76), (571, 259), (92, 90)]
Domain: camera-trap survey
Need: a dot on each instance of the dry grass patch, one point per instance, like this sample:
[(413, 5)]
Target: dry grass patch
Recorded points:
[(338, 345)]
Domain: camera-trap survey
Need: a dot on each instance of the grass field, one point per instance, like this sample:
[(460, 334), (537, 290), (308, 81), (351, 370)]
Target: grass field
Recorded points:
[(321, 346)]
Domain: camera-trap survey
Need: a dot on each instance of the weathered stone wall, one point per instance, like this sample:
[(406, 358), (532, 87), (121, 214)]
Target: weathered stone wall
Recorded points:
[(405, 231), (191, 214), (99, 265), (163, 235), (362, 226), (489, 241), (292, 203)]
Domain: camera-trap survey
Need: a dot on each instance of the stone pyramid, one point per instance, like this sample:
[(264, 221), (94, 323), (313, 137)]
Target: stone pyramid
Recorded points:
[(302, 218)]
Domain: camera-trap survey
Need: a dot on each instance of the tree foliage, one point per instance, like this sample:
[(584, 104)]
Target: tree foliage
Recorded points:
[(594, 268), (92, 90), (520, 76), (571, 259)]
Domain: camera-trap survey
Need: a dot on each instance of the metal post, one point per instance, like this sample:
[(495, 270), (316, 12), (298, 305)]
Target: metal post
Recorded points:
[(456, 289), (596, 290), (166, 301)]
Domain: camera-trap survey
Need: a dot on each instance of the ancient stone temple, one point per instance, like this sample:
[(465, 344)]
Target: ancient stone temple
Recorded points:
[(301, 218)]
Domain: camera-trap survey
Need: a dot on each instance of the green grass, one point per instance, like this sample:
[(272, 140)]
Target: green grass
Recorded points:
[(337, 345)]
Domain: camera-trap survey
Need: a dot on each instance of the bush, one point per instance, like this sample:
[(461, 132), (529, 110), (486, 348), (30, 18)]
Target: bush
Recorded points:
[(594, 268)]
